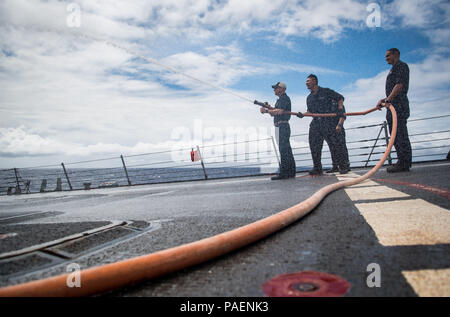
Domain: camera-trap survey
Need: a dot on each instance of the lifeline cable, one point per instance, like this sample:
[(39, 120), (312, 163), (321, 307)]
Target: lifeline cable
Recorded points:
[(119, 274)]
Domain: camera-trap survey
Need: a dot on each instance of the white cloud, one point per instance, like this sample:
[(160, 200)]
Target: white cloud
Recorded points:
[(206, 19), (194, 19), (221, 66), (53, 15), (418, 13), (137, 11), (77, 99), (323, 19), (17, 142), (432, 18), (439, 37), (74, 95), (225, 65), (427, 93), (242, 15)]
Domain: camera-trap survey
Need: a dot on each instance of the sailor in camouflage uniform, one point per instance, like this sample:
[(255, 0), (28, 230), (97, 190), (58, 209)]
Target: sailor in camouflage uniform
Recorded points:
[(283, 131), (397, 84), (330, 129)]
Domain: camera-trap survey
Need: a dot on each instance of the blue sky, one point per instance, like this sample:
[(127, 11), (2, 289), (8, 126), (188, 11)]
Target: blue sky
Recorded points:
[(72, 92)]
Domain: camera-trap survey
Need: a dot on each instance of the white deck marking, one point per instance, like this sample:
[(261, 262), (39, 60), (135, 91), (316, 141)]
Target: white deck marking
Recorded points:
[(429, 283), (374, 192), (405, 222), (400, 222)]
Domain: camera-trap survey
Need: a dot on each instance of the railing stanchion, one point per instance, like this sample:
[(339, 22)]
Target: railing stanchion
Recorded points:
[(201, 161), (125, 169), (386, 136), (373, 147), (18, 189), (67, 176)]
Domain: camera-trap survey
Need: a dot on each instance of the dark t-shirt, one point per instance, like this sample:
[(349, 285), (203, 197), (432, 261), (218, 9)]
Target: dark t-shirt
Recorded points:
[(284, 102), (324, 101), (399, 74)]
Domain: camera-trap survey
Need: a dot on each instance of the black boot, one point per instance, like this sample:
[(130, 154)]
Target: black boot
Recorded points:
[(335, 169), (344, 169), (278, 177), (315, 172), (399, 167)]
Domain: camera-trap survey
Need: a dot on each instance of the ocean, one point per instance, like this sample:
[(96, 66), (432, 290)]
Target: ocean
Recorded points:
[(108, 177)]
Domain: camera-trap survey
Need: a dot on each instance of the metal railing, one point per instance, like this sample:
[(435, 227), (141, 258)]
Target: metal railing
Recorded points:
[(256, 157)]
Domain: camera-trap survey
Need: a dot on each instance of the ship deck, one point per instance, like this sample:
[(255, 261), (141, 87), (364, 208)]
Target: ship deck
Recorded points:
[(399, 221)]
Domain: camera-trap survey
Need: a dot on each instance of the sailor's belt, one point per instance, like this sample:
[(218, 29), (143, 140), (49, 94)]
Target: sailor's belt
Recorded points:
[(277, 124), (323, 118)]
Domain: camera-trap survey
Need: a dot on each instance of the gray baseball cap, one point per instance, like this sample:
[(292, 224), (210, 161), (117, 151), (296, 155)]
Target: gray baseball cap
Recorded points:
[(279, 84)]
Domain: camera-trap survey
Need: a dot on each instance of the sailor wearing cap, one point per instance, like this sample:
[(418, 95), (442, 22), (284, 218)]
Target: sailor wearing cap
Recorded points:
[(282, 131)]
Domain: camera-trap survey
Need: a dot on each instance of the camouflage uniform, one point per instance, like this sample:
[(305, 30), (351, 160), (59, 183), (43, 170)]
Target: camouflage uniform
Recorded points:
[(281, 123), (323, 128), (399, 74)]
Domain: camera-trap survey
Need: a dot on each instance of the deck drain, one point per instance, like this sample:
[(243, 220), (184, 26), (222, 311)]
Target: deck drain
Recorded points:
[(306, 284)]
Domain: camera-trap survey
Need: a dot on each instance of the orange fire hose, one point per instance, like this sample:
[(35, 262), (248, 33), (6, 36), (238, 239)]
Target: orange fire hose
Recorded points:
[(308, 114), (362, 113), (116, 275)]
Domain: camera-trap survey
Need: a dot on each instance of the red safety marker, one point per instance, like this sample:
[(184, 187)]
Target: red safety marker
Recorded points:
[(438, 191), (306, 284)]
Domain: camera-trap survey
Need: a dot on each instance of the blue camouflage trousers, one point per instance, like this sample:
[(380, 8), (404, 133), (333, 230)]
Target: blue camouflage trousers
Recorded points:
[(320, 131)]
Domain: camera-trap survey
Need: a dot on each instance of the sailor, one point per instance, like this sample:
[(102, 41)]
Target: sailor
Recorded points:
[(397, 83), (330, 129), (282, 131)]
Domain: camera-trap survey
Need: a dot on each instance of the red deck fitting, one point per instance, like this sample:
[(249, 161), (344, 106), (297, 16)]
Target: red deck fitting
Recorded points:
[(306, 284)]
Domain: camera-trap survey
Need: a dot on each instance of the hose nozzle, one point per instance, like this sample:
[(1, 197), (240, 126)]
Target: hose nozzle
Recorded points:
[(262, 104)]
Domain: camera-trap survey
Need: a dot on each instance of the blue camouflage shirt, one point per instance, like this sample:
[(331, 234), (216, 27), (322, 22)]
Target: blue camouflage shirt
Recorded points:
[(324, 101), (284, 102), (399, 74)]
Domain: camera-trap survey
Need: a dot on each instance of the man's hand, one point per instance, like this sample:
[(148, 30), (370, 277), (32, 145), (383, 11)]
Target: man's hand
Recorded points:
[(340, 113), (380, 103), (263, 110), (275, 112), (383, 103), (338, 128)]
